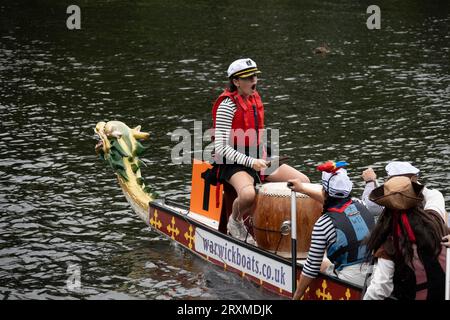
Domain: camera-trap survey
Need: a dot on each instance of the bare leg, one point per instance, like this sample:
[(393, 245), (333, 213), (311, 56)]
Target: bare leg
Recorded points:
[(242, 182), (285, 173)]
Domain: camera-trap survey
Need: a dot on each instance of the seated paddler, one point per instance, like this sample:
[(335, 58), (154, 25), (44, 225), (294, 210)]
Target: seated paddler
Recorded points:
[(240, 154), (340, 231)]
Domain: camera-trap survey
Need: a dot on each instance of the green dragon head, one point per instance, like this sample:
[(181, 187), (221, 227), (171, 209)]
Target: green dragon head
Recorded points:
[(120, 148)]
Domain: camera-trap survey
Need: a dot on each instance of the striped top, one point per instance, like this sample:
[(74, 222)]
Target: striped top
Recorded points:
[(224, 120), (323, 236)]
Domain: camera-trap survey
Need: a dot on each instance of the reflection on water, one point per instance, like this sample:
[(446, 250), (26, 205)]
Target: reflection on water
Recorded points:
[(378, 96)]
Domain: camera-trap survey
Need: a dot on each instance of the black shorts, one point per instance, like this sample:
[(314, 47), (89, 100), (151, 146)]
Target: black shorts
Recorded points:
[(228, 170), (223, 172)]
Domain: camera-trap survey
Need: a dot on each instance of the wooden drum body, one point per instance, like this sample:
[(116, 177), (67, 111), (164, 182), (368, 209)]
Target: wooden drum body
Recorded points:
[(272, 208)]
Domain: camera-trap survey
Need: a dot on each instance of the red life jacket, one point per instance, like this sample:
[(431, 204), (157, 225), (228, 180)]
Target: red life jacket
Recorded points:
[(249, 117), (247, 125)]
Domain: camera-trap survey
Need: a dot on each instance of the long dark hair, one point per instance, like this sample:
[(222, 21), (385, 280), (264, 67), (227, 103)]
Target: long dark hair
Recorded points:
[(428, 228), (333, 201)]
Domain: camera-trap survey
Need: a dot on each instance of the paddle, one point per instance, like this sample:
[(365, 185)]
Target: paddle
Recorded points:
[(447, 276), (293, 237)]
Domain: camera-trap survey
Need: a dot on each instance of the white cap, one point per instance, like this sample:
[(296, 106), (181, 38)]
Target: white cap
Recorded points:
[(397, 168), (338, 184), (242, 68)]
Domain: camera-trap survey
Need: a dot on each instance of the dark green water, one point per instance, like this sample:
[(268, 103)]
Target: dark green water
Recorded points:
[(379, 95)]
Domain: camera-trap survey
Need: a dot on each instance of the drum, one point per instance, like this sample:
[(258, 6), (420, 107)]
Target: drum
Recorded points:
[(272, 216)]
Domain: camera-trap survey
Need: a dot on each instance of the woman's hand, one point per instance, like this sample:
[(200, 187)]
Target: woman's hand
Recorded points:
[(315, 191), (446, 241), (297, 185), (259, 164), (369, 175)]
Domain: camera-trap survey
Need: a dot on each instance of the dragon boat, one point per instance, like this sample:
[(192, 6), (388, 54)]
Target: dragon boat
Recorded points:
[(201, 227)]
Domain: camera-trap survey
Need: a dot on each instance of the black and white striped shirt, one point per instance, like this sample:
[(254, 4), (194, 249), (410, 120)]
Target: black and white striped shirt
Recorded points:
[(323, 236), (224, 120)]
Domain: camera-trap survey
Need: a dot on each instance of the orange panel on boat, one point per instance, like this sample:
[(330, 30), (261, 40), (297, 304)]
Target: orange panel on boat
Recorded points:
[(204, 195)]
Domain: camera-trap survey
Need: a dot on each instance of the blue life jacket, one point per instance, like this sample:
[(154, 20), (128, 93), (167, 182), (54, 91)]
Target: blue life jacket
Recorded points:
[(353, 222)]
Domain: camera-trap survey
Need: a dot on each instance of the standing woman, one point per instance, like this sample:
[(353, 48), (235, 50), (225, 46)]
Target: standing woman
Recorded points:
[(407, 242), (238, 120)]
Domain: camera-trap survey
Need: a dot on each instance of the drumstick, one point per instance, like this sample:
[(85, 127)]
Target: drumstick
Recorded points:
[(280, 160)]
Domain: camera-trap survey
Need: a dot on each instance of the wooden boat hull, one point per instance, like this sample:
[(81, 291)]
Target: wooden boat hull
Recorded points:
[(261, 267)]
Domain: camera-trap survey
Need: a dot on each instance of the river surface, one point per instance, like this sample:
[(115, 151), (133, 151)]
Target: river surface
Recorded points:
[(379, 95)]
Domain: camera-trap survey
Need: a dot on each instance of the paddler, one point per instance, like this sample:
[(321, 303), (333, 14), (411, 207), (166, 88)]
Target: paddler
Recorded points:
[(407, 241), (432, 198), (340, 231)]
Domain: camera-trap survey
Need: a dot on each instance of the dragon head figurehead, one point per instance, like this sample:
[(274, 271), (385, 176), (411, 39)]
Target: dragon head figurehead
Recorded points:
[(120, 147)]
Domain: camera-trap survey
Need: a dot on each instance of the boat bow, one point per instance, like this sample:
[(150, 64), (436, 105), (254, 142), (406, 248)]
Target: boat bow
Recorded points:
[(121, 147)]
